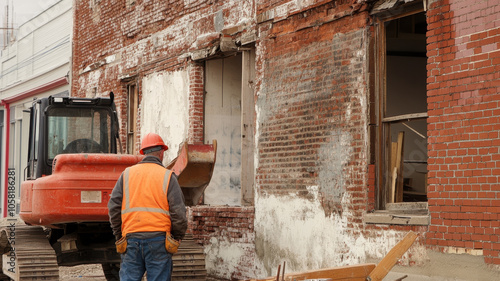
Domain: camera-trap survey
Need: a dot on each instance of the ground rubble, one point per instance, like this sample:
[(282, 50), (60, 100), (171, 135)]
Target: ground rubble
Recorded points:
[(81, 273)]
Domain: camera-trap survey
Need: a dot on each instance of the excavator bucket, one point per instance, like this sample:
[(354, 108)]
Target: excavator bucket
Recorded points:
[(194, 167)]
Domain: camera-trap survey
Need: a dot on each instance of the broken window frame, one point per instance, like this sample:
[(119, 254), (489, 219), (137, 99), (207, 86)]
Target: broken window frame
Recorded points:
[(414, 213)]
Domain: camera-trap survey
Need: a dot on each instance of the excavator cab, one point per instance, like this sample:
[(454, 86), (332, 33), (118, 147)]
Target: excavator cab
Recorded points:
[(62, 125)]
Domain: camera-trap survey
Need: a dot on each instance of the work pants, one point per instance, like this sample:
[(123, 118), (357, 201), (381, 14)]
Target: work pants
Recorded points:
[(146, 255)]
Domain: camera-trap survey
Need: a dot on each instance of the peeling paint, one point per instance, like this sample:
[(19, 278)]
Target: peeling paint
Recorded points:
[(92, 81), (304, 3), (219, 21)]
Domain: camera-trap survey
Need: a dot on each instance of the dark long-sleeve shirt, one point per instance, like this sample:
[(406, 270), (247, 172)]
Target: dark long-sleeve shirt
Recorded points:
[(175, 201)]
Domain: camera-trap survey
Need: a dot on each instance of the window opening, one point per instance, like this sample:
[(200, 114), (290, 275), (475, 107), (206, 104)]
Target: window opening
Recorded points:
[(404, 109)]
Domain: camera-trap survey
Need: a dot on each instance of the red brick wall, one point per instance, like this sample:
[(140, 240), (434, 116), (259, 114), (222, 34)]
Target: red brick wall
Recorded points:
[(231, 224), (123, 33), (463, 126), (196, 103), (313, 98)]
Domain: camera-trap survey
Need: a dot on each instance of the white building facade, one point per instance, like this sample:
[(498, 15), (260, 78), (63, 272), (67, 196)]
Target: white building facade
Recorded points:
[(35, 64)]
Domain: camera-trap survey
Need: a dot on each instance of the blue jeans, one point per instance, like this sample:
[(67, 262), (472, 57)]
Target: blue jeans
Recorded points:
[(146, 255)]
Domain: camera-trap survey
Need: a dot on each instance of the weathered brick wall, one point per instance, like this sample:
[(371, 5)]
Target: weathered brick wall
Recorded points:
[(219, 227), (115, 43), (312, 103), (312, 109), (196, 103), (463, 127)]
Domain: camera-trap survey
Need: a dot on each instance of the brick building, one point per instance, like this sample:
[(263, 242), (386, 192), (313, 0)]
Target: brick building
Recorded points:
[(341, 125)]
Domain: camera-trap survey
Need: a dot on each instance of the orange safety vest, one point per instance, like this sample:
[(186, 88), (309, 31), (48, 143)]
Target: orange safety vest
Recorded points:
[(145, 207)]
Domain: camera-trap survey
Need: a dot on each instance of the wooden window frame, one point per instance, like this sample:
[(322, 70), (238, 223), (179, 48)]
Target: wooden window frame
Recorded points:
[(415, 213), (132, 116)]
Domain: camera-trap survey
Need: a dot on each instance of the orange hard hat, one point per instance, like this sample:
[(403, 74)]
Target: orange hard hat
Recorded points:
[(152, 140)]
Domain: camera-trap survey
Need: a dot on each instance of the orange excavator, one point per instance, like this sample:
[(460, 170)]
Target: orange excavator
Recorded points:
[(73, 165)]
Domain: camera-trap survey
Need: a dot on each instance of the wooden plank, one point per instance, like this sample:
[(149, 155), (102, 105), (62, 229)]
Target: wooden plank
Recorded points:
[(406, 117), (393, 184), (399, 166), (346, 273), (388, 262), (393, 171), (394, 151), (247, 128)]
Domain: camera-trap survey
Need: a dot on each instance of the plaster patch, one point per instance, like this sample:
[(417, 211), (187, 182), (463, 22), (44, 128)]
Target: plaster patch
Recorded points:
[(301, 4), (242, 15), (90, 81), (295, 230), (314, 191), (223, 259), (165, 95), (134, 54), (202, 39), (334, 157), (110, 59), (219, 21)]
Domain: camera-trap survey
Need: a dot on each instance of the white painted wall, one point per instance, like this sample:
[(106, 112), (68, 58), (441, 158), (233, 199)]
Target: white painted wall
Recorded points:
[(40, 54), (164, 109), (43, 44)]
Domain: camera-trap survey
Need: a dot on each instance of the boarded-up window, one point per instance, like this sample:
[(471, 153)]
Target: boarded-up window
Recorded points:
[(229, 113)]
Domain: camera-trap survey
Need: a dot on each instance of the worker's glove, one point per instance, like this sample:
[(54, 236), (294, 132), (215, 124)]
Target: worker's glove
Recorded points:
[(171, 244), (121, 245)]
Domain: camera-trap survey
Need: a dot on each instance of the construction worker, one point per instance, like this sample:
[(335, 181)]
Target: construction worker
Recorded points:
[(147, 215)]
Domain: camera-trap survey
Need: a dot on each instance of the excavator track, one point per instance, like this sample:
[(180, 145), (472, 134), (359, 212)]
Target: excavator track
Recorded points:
[(35, 259), (189, 261)]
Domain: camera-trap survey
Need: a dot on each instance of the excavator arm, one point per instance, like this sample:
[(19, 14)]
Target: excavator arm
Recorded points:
[(194, 167)]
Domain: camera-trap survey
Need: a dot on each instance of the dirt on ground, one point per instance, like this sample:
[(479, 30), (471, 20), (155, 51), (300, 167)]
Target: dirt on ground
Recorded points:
[(81, 273), (88, 272)]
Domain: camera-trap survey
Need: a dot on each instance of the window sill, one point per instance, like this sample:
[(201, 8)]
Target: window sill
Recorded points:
[(400, 214)]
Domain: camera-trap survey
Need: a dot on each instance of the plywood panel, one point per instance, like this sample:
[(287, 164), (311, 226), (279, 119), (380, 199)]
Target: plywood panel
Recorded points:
[(223, 123)]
